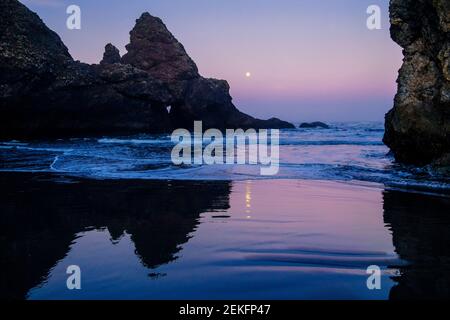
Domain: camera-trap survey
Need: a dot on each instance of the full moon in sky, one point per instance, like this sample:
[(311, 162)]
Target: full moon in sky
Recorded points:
[(248, 74)]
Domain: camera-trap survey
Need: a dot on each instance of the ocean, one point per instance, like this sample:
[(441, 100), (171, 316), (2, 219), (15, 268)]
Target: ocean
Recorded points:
[(140, 227), (348, 152)]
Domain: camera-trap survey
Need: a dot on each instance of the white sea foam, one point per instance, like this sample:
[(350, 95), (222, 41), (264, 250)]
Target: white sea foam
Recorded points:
[(350, 153)]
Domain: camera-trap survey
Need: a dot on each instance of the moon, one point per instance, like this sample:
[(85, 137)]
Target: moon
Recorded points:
[(248, 74)]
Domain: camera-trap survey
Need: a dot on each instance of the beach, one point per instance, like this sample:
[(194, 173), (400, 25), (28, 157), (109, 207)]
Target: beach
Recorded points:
[(249, 239)]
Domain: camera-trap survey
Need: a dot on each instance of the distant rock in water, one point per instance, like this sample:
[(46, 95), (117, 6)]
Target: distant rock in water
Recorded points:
[(418, 127), (314, 125), (111, 55), (44, 92)]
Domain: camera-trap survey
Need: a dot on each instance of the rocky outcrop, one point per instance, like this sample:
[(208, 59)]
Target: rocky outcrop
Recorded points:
[(111, 55), (154, 49), (418, 127), (314, 125), (44, 92)]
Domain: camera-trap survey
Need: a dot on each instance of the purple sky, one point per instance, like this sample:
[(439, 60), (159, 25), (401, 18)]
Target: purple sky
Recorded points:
[(308, 59)]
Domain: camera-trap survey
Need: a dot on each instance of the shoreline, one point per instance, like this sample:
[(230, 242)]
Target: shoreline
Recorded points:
[(289, 235), (350, 153), (64, 177)]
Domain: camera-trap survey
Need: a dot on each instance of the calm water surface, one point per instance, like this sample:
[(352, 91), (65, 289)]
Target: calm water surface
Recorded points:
[(283, 239)]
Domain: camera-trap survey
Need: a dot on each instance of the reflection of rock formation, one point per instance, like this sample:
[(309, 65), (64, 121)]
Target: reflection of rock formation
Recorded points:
[(40, 219), (421, 234)]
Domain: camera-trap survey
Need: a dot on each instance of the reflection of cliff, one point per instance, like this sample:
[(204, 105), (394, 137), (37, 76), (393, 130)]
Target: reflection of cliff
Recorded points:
[(40, 219), (421, 234)]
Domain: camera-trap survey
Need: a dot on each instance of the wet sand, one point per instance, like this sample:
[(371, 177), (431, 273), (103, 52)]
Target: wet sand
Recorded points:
[(283, 239)]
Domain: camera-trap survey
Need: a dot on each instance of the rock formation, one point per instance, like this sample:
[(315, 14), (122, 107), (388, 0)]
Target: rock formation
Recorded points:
[(418, 127), (111, 55), (314, 125), (44, 92), (154, 49)]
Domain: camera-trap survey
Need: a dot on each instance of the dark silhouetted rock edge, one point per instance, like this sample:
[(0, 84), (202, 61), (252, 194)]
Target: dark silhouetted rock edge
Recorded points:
[(314, 125)]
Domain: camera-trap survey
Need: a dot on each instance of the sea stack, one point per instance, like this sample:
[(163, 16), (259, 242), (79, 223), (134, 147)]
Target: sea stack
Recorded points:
[(418, 127), (44, 92), (111, 55), (155, 50)]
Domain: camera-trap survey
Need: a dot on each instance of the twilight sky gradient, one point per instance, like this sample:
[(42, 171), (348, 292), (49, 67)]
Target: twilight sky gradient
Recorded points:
[(309, 59)]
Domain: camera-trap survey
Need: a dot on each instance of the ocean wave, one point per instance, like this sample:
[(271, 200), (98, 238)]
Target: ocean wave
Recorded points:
[(134, 141), (331, 143), (14, 143), (41, 149), (350, 153)]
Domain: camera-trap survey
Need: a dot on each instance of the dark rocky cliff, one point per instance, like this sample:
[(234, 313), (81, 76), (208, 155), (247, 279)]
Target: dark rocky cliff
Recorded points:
[(154, 49), (418, 127), (44, 92)]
